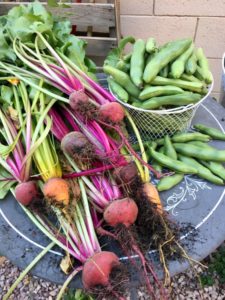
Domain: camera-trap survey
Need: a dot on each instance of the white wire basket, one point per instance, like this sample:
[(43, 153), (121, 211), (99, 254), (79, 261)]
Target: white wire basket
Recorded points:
[(154, 124), (222, 89)]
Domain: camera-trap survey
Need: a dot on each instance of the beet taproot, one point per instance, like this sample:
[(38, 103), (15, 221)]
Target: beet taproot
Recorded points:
[(123, 211), (26, 192)]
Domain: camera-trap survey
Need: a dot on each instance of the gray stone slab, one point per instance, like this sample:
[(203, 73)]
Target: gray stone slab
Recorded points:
[(193, 201)]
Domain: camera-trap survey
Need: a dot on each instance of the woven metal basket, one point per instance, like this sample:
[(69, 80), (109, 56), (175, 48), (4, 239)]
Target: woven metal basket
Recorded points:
[(154, 124)]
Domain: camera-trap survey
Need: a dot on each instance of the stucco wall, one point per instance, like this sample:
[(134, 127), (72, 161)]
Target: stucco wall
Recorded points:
[(203, 20)]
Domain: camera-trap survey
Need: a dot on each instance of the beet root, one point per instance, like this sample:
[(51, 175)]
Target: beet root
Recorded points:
[(111, 112), (97, 269), (126, 174), (26, 192), (76, 145), (81, 104), (123, 211), (78, 98), (57, 190), (152, 195)]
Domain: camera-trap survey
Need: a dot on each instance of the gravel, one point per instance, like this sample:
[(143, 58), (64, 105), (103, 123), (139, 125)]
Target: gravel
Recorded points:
[(184, 286)]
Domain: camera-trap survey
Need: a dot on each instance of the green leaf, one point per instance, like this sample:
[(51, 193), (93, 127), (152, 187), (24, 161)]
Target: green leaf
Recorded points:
[(77, 295), (90, 65), (116, 54), (76, 51), (6, 51), (52, 3), (24, 21), (4, 185), (63, 5), (6, 94), (113, 57), (61, 30)]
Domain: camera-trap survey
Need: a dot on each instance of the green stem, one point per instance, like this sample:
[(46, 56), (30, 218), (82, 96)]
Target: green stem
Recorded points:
[(85, 204), (43, 229), (84, 229), (18, 108), (28, 268), (66, 283), (31, 83), (142, 149)]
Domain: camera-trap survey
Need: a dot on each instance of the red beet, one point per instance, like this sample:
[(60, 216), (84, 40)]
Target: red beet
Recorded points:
[(76, 145), (123, 211), (111, 112), (126, 174), (97, 269), (77, 99), (25, 192)]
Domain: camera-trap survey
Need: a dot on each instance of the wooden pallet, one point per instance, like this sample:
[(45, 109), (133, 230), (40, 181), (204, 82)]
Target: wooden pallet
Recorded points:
[(97, 22)]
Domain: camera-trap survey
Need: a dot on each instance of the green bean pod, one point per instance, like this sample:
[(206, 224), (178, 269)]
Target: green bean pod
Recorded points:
[(213, 132), (162, 58), (117, 90), (155, 164), (203, 172), (199, 74), (190, 136), (178, 66), (148, 59), (169, 149), (191, 64), (215, 167), (191, 78), (164, 72), (183, 137), (137, 63), (153, 91), (186, 85), (201, 144), (123, 66), (146, 144), (199, 152), (172, 164), (169, 182), (151, 45), (171, 100), (127, 57), (123, 79), (203, 63)]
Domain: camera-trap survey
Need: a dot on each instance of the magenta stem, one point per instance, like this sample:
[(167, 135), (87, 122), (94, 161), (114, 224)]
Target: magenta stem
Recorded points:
[(18, 152), (70, 119), (116, 191), (94, 171), (99, 202), (58, 128), (102, 134), (7, 179), (13, 166)]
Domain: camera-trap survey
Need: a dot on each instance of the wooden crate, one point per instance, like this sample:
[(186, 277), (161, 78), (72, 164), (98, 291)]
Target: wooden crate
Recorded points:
[(97, 22)]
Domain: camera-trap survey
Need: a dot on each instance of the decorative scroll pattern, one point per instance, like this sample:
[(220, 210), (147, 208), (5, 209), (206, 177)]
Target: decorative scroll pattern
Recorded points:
[(189, 189)]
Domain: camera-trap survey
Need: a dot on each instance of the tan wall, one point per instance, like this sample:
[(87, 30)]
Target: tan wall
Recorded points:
[(203, 20)]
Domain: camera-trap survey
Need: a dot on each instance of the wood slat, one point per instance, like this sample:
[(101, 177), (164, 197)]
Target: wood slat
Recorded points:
[(84, 14)]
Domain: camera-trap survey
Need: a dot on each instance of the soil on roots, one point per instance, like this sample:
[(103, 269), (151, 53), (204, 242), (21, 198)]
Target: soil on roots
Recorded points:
[(155, 229), (116, 289), (131, 245), (88, 110), (39, 205)]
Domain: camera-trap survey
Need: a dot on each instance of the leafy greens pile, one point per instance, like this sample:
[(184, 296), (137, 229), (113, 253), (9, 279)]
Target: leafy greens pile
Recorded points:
[(24, 22)]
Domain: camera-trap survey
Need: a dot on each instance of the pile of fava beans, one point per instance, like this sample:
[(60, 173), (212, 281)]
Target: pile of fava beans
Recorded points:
[(187, 153), (158, 77)]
